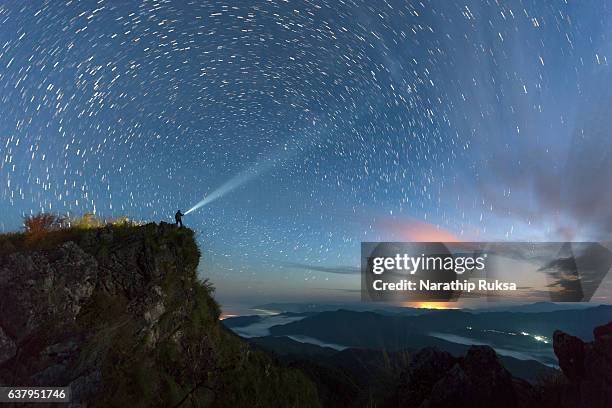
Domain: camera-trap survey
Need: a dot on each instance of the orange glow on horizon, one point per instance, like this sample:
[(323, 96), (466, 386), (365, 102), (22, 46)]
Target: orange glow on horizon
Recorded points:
[(431, 305), (418, 231)]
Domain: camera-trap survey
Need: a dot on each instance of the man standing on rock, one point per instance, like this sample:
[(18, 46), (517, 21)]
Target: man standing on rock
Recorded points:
[(178, 217)]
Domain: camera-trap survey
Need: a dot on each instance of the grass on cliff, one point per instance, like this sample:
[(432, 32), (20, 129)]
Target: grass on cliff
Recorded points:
[(46, 231)]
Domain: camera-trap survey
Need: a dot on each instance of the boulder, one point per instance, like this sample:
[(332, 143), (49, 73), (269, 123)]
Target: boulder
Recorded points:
[(587, 366), (570, 352)]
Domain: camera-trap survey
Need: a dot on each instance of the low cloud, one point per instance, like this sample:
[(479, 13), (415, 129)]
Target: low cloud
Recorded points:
[(340, 270)]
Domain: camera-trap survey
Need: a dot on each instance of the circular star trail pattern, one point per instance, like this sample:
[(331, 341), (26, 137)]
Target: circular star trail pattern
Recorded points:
[(446, 115)]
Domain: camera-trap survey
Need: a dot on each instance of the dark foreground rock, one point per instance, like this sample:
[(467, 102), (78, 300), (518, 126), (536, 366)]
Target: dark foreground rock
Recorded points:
[(436, 379), (119, 315), (587, 366)]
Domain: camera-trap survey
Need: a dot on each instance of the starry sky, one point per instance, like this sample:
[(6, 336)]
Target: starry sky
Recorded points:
[(336, 121)]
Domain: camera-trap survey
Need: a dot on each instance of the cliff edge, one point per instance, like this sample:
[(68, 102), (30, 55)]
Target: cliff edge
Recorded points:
[(119, 315)]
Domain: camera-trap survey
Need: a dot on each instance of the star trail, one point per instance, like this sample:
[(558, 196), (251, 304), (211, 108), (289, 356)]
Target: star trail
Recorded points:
[(342, 121)]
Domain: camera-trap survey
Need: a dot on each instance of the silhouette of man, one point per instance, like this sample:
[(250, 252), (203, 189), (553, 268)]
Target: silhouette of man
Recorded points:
[(178, 217)]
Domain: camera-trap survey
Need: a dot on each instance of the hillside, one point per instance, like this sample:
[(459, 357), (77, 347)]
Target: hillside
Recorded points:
[(119, 315)]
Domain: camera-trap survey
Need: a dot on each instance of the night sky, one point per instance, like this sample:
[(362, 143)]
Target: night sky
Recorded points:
[(326, 123)]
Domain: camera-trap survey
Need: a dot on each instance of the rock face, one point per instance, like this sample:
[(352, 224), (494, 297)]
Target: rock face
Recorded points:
[(119, 315), (437, 379), (587, 366)]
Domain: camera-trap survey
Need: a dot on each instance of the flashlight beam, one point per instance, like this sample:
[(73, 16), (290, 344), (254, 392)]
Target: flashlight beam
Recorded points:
[(258, 169), (233, 183)]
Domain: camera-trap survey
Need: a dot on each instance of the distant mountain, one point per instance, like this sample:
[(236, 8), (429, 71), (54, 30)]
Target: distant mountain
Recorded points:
[(285, 308), (382, 308), (538, 307), (300, 307), (373, 330)]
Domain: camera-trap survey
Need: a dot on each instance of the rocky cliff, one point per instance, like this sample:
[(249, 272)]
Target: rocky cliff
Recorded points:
[(588, 368), (436, 379), (119, 315)]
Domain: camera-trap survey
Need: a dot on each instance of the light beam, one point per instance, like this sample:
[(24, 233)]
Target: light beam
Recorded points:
[(259, 168)]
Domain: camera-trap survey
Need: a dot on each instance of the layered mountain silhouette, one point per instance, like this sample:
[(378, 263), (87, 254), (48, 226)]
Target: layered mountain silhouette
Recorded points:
[(118, 314)]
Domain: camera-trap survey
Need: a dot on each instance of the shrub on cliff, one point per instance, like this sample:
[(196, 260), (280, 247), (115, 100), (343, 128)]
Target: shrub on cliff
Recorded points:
[(86, 221), (38, 223), (36, 226)]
